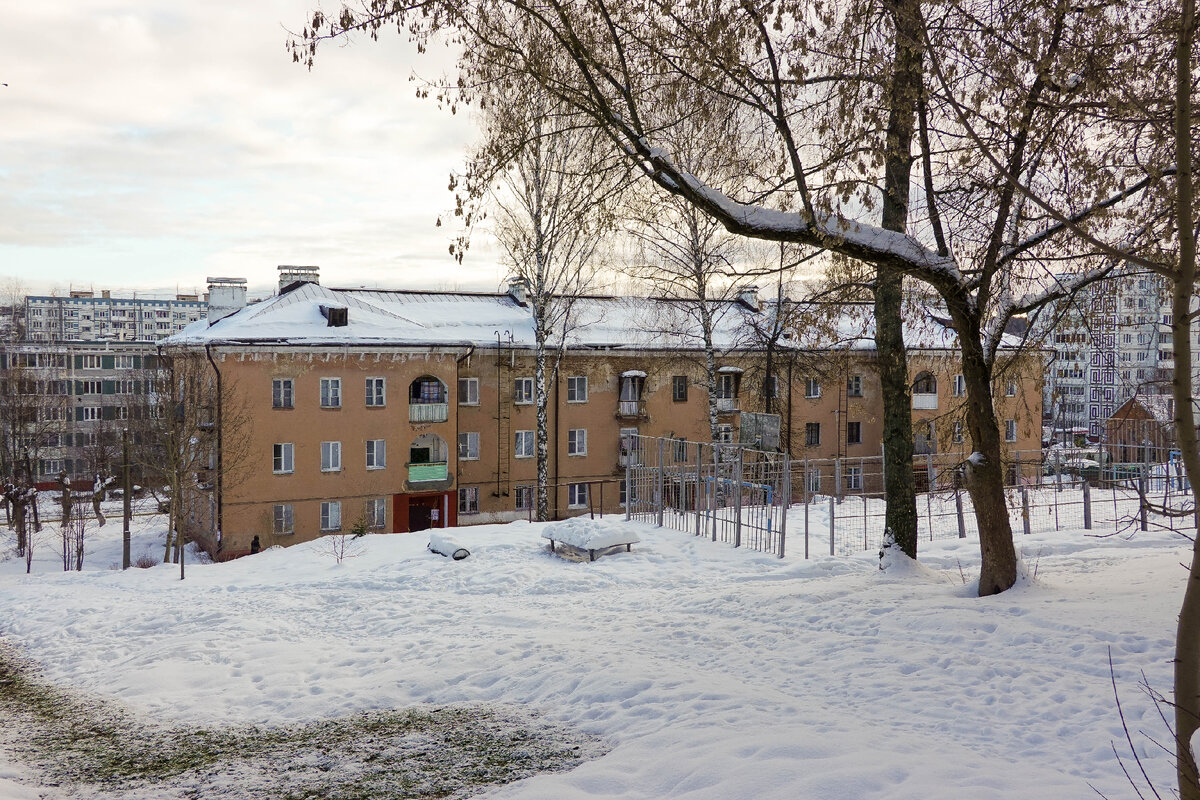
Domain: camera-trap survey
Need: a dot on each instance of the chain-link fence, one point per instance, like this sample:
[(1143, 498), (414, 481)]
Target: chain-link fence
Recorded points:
[(720, 491)]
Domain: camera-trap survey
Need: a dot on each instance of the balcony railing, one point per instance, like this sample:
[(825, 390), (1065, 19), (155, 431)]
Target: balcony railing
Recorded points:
[(925, 402), (435, 471), (631, 408), (428, 412), (727, 405)]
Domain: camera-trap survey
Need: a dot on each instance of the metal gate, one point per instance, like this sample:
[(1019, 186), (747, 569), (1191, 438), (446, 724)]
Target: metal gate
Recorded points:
[(720, 491)]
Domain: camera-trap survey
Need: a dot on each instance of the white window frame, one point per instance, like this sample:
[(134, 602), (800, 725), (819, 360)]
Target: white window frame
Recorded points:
[(468, 500), (93, 413), (854, 386), (1010, 389), (376, 392), (577, 389), (331, 456), (284, 519), (725, 434), (1010, 430), (283, 458), (854, 478), (960, 386), (524, 497), (376, 453), (468, 446), (577, 442), (91, 362), (331, 515), (814, 481), (523, 391), (377, 513), (283, 393), (530, 444), (957, 435), (468, 391), (331, 392), (577, 495)]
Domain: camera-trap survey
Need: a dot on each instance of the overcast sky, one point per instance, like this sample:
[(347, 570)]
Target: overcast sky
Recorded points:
[(148, 144)]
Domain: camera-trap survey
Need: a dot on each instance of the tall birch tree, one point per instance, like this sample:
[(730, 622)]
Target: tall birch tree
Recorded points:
[(550, 197)]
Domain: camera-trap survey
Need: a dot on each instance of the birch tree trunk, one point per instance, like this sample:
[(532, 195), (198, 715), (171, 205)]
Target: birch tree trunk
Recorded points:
[(542, 397)]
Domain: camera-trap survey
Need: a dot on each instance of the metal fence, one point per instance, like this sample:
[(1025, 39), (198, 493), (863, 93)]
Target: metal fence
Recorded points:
[(843, 507), (742, 496), (720, 491)]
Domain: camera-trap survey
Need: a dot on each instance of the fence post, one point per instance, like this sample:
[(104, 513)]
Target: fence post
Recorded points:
[(1087, 506), (699, 466), (1058, 470), (837, 479), (737, 501), (785, 502), (831, 502), (717, 485), (805, 480), (1025, 508), (633, 442), (962, 522), (658, 494), (931, 472), (1142, 489)]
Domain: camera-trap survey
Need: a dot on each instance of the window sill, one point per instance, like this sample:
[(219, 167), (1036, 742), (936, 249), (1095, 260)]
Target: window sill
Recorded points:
[(289, 472), (576, 455), (369, 469), (339, 469)]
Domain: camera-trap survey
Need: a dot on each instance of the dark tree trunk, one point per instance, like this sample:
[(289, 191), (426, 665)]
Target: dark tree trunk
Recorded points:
[(985, 469), (904, 93)]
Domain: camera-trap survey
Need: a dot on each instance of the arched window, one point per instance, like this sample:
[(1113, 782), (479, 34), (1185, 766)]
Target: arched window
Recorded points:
[(427, 400), (925, 384)]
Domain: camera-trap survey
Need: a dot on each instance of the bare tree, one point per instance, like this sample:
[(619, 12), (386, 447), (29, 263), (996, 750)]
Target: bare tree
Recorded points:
[(550, 222), (957, 145), (188, 432), (684, 256)]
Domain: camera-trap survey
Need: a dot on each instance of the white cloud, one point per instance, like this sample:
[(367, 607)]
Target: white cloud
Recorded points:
[(147, 143)]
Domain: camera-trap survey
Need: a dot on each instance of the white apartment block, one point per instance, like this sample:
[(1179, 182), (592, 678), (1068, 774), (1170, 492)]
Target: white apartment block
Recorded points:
[(1111, 342), (84, 317)]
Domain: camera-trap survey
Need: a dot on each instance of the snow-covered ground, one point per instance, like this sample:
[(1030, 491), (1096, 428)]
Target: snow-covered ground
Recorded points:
[(709, 672)]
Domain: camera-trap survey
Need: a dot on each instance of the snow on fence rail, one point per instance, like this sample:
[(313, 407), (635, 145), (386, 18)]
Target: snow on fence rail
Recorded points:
[(756, 499)]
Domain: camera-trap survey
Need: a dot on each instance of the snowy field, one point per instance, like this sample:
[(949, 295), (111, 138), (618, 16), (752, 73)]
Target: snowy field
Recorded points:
[(706, 672)]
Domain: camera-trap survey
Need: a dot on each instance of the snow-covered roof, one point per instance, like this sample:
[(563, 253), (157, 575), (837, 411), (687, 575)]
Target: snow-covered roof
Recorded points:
[(462, 319)]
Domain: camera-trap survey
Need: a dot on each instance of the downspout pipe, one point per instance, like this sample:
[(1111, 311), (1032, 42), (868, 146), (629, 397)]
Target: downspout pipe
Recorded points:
[(220, 482)]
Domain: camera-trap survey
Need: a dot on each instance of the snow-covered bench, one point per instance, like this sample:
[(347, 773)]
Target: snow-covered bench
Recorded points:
[(591, 535)]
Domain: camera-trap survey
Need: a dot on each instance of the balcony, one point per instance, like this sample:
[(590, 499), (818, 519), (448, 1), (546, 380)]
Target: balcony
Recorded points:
[(924, 402), (428, 412), (420, 473), (631, 409), (727, 405)]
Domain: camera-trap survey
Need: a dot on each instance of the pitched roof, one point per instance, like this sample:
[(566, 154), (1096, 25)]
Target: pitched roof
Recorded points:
[(421, 318)]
